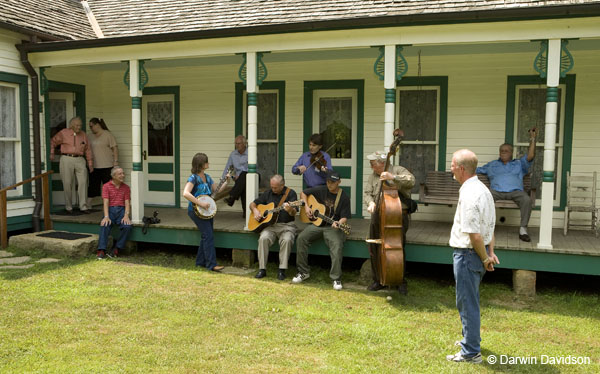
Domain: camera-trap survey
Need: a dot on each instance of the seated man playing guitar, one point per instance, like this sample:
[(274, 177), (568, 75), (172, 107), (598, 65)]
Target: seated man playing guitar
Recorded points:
[(336, 204), (274, 225)]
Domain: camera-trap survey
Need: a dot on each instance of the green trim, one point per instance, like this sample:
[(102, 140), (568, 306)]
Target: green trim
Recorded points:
[(160, 168), (239, 116), (252, 98), (143, 77), (390, 95), (172, 90), (23, 82), (136, 102), (80, 110), (566, 58), (138, 166), (55, 166), (442, 83), (19, 223), (569, 82), (345, 172), (552, 95), (510, 259), (160, 186), (242, 69), (379, 65), (540, 62), (359, 86), (251, 168), (548, 176), (401, 63), (261, 69)]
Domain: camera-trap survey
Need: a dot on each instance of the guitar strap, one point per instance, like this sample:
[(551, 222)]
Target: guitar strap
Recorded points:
[(287, 191), (337, 201), (285, 195)]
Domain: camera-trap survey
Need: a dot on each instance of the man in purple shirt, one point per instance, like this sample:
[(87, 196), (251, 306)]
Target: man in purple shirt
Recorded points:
[(313, 175), (506, 180)]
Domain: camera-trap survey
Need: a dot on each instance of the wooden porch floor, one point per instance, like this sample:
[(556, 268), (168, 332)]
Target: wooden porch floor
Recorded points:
[(420, 233)]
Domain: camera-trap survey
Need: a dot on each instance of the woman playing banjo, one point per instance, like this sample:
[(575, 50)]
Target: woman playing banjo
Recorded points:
[(199, 184)]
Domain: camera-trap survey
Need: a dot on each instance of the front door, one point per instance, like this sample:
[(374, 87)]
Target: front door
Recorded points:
[(335, 118), (158, 119), (61, 109)]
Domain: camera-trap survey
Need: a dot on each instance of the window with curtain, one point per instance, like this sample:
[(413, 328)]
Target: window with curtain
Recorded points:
[(530, 111), (9, 134), (418, 117)]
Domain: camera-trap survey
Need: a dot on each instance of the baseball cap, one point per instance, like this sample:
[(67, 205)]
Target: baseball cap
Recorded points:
[(377, 155), (333, 176)]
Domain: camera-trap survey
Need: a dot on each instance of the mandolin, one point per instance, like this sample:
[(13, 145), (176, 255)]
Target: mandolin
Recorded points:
[(318, 217), (268, 211)]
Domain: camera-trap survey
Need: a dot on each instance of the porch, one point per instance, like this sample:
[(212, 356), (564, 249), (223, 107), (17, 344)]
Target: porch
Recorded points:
[(427, 241)]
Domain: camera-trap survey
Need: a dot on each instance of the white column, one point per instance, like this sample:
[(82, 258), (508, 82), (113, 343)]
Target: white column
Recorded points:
[(552, 80), (389, 83), (137, 174), (252, 90)]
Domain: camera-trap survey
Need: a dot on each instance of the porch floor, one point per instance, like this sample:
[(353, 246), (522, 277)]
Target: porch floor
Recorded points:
[(421, 233)]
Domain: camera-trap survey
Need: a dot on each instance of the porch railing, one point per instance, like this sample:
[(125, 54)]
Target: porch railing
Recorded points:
[(4, 205)]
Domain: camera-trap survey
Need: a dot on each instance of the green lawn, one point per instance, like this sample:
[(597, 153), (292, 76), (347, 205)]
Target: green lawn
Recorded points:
[(155, 312)]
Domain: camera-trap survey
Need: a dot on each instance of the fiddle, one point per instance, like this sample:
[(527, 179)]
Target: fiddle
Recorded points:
[(318, 160)]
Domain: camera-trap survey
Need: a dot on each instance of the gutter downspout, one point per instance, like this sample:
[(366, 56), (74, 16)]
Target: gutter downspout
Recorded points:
[(37, 157)]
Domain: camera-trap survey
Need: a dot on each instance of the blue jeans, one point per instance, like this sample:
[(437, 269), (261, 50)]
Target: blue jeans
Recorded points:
[(115, 213), (468, 273), (207, 255)]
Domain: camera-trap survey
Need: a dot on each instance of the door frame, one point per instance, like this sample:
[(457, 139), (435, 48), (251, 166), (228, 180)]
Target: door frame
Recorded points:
[(79, 93), (359, 86), (170, 90)]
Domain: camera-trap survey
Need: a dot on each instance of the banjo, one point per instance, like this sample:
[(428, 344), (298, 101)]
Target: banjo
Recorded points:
[(209, 213)]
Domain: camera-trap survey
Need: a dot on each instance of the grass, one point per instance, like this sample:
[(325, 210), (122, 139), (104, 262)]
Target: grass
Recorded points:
[(154, 312)]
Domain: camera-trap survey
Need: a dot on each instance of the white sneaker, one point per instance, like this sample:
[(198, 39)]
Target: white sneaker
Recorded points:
[(337, 285), (300, 277)]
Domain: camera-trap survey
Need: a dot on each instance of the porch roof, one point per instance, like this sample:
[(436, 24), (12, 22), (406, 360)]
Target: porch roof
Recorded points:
[(138, 21)]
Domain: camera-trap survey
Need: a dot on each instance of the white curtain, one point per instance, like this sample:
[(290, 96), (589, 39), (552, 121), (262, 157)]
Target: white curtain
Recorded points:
[(8, 129)]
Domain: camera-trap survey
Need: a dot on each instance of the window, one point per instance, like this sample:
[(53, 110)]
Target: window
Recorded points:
[(267, 135), (530, 112), (10, 137), (419, 118)]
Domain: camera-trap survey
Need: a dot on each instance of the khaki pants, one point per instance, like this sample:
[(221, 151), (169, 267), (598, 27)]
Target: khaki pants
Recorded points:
[(334, 239), (69, 167), (286, 232)]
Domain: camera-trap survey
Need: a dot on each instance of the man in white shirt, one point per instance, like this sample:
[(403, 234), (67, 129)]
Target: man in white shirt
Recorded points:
[(472, 238)]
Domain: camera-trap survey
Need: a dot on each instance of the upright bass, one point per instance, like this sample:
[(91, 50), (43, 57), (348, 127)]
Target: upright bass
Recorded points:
[(386, 227)]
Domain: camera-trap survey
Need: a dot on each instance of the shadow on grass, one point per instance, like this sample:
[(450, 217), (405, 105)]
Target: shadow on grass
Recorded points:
[(430, 286)]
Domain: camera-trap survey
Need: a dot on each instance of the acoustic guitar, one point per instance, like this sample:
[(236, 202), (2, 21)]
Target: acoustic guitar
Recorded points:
[(268, 211), (317, 210)]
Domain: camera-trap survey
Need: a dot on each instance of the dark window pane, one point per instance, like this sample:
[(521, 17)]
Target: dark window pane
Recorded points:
[(267, 116), (532, 113), (160, 128), (8, 175), (266, 162), (335, 125), (417, 114), (8, 112), (418, 159)]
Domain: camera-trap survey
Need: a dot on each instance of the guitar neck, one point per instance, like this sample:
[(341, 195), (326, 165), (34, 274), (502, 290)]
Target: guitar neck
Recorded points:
[(325, 218), (278, 209)]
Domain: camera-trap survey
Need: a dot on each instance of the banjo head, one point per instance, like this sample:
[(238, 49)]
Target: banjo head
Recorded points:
[(206, 213)]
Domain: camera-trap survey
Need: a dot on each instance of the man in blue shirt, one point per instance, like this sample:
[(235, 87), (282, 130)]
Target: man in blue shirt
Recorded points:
[(239, 160), (313, 174), (506, 180)]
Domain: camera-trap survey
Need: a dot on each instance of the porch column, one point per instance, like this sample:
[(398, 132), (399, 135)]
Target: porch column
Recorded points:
[(389, 83), (552, 80), (137, 174), (252, 90)]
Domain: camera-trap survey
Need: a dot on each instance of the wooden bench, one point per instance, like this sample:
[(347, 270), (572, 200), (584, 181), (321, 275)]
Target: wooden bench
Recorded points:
[(441, 188)]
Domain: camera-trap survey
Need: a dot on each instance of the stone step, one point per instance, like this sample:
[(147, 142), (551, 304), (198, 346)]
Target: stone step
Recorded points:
[(73, 248)]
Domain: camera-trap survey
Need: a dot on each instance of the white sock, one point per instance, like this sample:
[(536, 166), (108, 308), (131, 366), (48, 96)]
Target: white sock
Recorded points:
[(523, 231)]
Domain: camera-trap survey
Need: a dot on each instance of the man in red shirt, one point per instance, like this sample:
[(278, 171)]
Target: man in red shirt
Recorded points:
[(74, 146), (117, 207)]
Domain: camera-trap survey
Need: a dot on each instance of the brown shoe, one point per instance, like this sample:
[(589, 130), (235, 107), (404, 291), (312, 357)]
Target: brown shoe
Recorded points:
[(218, 268)]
